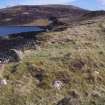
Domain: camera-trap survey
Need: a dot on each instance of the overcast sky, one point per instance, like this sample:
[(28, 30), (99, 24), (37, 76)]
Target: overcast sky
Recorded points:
[(87, 4)]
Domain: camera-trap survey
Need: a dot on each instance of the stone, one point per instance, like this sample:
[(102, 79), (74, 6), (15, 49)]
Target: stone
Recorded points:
[(3, 82), (58, 84)]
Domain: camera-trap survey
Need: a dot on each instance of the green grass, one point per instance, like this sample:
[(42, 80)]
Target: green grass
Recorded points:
[(73, 62)]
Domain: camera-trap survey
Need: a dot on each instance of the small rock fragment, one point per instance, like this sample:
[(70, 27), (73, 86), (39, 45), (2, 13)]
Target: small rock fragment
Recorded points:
[(58, 84), (3, 82)]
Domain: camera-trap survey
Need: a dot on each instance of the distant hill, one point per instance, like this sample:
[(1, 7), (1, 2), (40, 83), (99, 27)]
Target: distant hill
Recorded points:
[(19, 15), (93, 14), (40, 14)]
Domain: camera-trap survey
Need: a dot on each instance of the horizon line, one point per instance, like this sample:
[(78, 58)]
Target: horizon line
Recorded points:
[(49, 5)]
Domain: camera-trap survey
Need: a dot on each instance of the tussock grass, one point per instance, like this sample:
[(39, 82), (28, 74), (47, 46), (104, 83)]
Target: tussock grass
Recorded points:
[(74, 62)]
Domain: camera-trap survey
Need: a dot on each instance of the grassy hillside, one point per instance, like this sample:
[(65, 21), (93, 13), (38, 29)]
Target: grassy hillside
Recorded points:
[(76, 57)]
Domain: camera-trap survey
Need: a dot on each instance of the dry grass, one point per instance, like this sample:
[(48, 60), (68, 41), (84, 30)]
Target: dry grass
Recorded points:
[(75, 56)]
